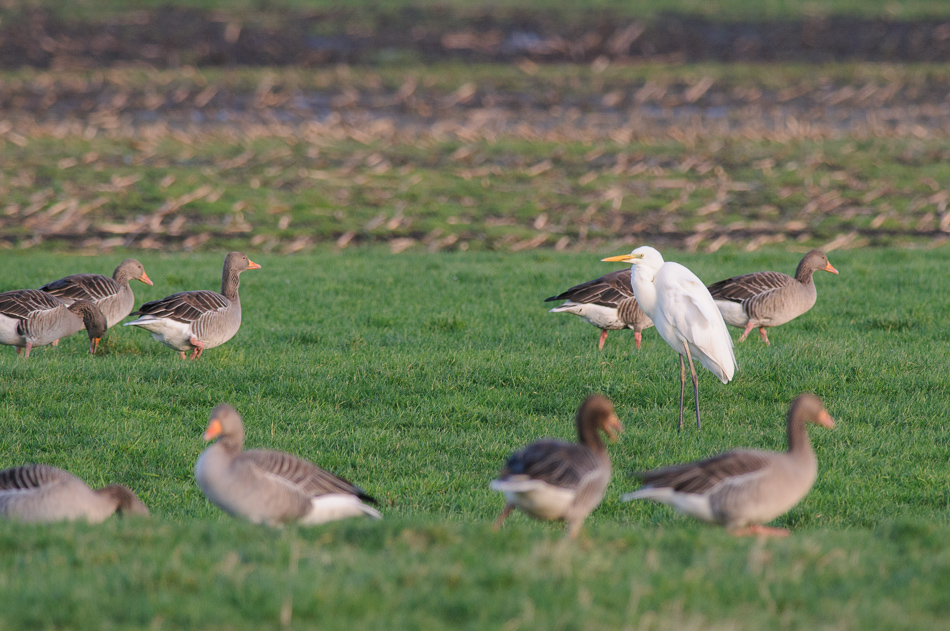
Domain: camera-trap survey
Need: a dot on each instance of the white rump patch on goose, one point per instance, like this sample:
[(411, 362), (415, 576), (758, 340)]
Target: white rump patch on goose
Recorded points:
[(534, 497)]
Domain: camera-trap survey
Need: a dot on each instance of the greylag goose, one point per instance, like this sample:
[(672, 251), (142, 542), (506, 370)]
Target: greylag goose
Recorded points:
[(113, 295), (271, 487), (41, 493), (553, 479), (746, 488), (30, 317), (198, 320), (684, 314), (607, 303), (767, 299)]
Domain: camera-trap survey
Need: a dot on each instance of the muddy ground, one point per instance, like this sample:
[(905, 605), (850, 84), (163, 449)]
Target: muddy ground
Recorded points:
[(172, 37)]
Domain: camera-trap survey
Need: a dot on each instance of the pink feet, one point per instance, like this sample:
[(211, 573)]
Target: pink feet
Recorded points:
[(603, 338), (199, 347), (748, 329), (761, 531), (762, 333)]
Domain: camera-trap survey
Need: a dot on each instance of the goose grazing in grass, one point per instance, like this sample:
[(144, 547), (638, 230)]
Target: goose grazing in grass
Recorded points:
[(767, 299), (745, 488), (113, 295), (684, 314), (198, 320), (30, 317), (553, 479), (271, 487), (41, 493), (607, 303)]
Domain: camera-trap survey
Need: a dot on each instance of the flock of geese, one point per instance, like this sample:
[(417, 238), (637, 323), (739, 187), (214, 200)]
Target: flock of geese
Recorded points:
[(548, 479)]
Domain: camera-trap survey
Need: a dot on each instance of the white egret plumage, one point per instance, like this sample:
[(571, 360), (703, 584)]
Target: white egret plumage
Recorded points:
[(684, 314)]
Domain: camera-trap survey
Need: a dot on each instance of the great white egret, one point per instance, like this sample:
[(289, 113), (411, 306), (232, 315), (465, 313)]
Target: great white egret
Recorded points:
[(684, 314), (767, 299)]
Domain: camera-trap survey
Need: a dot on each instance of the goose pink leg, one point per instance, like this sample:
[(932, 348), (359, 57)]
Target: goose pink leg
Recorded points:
[(765, 336), (748, 329), (762, 531), (603, 338), (199, 347), (637, 338)]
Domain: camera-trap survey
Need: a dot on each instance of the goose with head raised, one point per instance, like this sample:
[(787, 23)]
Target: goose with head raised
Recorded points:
[(271, 487), (113, 295), (557, 480), (41, 493), (745, 488), (767, 299), (198, 320)]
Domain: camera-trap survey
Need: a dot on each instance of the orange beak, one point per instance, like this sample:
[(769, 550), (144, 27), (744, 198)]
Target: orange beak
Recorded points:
[(830, 268), (252, 265), (824, 419), (613, 427), (214, 430), (94, 345), (145, 279)]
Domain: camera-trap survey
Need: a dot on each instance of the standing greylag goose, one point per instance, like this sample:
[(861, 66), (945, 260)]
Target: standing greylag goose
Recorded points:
[(745, 488), (198, 320), (606, 302), (684, 314), (554, 479), (113, 295), (271, 487), (30, 317), (767, 299), (41, 493)]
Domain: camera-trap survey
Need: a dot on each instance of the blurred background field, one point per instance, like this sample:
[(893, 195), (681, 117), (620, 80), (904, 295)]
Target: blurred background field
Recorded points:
[(415, 178)]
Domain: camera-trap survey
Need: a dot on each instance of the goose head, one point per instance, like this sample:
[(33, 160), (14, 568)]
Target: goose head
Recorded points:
[(130, 269), (93, 319)]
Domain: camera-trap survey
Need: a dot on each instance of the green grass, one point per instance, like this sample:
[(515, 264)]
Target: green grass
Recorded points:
[(415, 375)]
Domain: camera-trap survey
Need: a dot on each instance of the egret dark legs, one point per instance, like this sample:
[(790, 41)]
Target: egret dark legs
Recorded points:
[(692, 370)]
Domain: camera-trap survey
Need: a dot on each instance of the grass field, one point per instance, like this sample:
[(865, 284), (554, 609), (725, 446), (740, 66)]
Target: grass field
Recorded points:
[(410, 219), (415, 375)]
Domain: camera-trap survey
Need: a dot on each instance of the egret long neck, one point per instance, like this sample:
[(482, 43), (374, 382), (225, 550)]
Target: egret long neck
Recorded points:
[(644, 289)]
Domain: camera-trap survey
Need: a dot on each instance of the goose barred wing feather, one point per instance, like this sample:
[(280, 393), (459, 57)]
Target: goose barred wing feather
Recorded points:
[(186, 306), (32, 476), (310, 479), (555, 462), (740, 288), (704, 475), (21, 303), (608, 290), (91, 287)]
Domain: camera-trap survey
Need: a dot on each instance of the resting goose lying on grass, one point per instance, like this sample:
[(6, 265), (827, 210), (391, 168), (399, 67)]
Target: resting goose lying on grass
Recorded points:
[(41, 493), (271, 487)]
